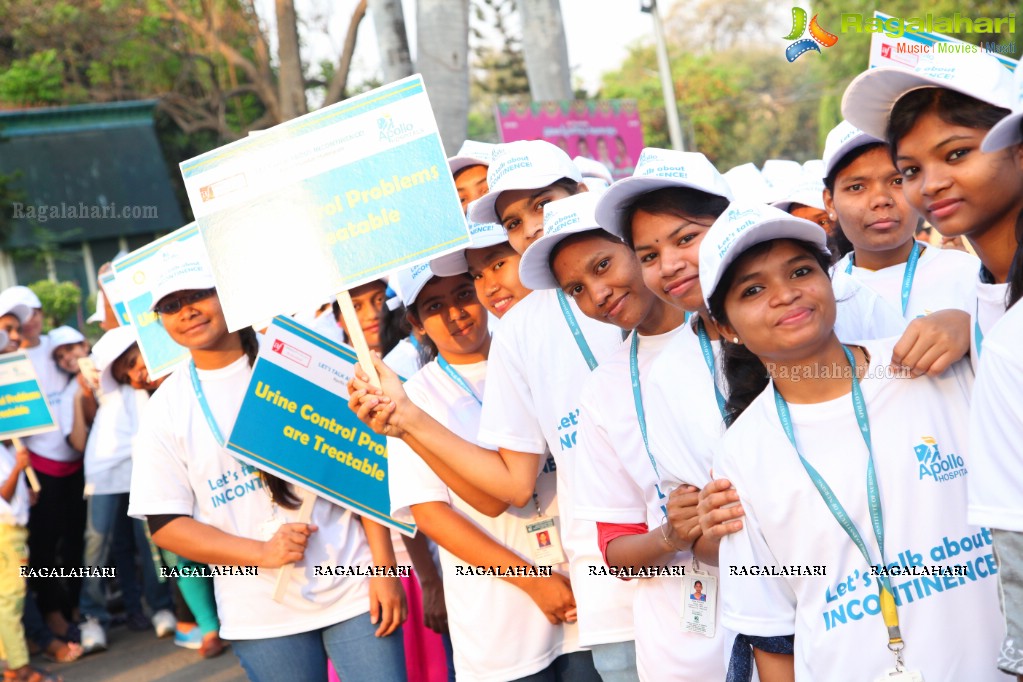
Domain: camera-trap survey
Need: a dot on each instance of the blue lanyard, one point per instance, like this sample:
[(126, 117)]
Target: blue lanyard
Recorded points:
[(201, 397), (907, 277), (708, 357), (457, 378), (637, 396), (978, 335), (580, 340), (413, 341), (888, 609)]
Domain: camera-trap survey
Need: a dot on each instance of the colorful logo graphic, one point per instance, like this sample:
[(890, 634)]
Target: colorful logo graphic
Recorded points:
[(936, 466), (804, 45)]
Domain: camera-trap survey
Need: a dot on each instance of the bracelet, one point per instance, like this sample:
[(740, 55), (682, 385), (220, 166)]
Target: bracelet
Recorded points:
[(664, 536)]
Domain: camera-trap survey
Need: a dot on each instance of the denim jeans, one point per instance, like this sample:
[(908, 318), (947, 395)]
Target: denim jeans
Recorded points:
[(574, 667), (616, 662), (357, 654), (107, 520)]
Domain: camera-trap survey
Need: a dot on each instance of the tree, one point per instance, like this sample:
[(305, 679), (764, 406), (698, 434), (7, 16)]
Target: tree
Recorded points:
[(497, 71), (443, 60), (392, 39), (546, 50)]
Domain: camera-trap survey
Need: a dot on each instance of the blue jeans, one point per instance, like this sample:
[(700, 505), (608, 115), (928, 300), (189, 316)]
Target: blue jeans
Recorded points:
[(574, 667), (108, 522), (616, 662), (357, 654)]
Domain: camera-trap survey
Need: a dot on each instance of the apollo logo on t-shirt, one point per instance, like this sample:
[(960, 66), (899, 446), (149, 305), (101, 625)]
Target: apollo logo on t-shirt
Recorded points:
[(936, 466)]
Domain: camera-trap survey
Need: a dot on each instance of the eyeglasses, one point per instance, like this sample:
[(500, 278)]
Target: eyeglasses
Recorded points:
[(175, 304)]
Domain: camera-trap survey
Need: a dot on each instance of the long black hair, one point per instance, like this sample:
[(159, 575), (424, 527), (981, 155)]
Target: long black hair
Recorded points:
[(745, 375), (280, 490), (950, 106), (682, 202)]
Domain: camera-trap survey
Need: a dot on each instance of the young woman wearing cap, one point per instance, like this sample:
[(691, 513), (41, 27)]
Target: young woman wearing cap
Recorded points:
[(530, 409), (835, 480), (863, 190), (996, 427), (182, 474), (641, 522), (934, 120), (481, 608)]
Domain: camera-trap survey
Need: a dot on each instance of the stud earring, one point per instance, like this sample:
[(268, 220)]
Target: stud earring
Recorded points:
[(735, 340)]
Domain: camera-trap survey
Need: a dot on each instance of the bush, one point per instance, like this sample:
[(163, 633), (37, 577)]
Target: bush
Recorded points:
[(60, 301)]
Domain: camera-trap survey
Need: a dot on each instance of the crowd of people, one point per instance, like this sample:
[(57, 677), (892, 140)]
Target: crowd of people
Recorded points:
[(688, 425)]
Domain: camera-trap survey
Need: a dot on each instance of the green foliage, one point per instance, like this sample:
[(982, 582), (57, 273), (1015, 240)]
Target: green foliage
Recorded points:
[(497, 72), (60, 300), (35, 80)]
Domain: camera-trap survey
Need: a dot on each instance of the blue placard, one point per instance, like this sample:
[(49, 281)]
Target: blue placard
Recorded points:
[(108, 281), (23, 407), (137, 273), (326, 202), (295, 423)]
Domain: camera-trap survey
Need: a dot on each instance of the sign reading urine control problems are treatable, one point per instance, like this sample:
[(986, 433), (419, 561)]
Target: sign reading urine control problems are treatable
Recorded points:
[(137, 274), (23, 407), (325, 202), (295, 423)]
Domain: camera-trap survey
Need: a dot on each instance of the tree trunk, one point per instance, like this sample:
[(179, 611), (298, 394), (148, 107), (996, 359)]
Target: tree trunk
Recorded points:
[(337, 90), (389, 22), (545, 50), (442, 57), (290, 79)]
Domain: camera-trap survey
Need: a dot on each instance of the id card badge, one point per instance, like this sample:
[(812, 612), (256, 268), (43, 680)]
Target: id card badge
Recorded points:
[(545, 541), (699, 603), (901, 676)]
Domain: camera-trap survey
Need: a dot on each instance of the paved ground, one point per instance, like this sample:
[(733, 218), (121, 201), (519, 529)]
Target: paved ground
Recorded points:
[(141, 657)]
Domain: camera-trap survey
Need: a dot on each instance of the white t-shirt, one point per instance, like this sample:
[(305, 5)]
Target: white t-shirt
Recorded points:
[(483, 611), (996, 428), (108, 450), (944, 279), (403, 359), (15, 512), (615, 483), (534, 382), (52, 444), (181, 469), (951, 624), (988, 308), (862, 315)]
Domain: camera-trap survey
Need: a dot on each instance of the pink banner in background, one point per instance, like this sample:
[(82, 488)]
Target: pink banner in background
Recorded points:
[(608, 131)]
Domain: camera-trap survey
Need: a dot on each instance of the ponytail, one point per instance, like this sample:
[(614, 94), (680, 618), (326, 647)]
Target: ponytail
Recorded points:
[(280, 490)]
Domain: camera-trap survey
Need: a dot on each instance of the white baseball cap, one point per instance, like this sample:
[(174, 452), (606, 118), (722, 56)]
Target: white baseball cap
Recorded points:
[(111, 346), (472, 153), (1007, 131), (842, 139), (184, 266), (23, 295), (748, 184), (408, 282), (561, 219), (526, 164), (781, 173), (744, 225), (808, 190), (481, 236), (657, 169), (12, 303), (870, 97), (64, 335), (596, 176)]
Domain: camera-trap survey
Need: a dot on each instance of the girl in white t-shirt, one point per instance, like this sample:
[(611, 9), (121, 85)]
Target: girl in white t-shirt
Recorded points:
[(619, 483), (863, 190), (203, 504), (934, 120), (482, 609), (855, 535)]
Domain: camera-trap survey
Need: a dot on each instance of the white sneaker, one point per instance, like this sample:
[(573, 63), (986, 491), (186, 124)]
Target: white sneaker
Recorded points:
[(164, 623), (93, 636)]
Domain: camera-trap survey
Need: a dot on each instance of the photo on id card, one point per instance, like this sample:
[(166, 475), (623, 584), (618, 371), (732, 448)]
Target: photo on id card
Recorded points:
[(699, 603)]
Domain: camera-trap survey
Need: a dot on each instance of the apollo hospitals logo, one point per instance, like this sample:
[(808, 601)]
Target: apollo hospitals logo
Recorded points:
[(936, 466), (818, 36), (392, 131)]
